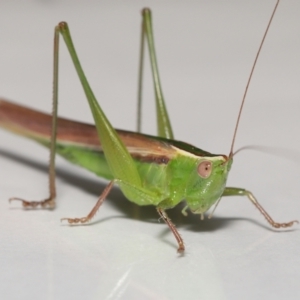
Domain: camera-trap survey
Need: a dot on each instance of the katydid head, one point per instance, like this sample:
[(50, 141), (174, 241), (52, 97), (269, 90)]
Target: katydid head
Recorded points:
[(207, 183)]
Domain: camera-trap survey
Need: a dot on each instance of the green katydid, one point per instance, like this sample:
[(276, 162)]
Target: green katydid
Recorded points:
[(149, 170)]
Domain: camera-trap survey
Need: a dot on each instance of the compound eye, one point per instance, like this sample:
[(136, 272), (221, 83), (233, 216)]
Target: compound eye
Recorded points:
[(204, 169)]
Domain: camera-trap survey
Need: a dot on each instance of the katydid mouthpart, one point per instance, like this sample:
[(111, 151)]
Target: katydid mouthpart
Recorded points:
[(149, 170)]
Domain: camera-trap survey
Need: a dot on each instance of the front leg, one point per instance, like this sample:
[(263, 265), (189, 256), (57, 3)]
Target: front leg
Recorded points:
[(231, 191), (177, 235)]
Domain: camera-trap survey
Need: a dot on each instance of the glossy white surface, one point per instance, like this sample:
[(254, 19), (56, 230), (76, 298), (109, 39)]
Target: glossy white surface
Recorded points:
[(205, 52)]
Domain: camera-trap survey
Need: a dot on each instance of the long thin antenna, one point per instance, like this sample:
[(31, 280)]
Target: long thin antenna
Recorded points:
[(249, 79)]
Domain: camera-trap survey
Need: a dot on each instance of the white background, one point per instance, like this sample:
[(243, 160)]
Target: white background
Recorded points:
[(205, 52)]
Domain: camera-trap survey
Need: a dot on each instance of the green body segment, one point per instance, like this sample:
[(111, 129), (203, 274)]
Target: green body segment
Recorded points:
[(166, 167), (172, 181)]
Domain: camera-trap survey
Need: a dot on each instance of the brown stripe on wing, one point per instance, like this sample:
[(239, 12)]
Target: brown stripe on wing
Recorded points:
[(152, 158), (35, 124)]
